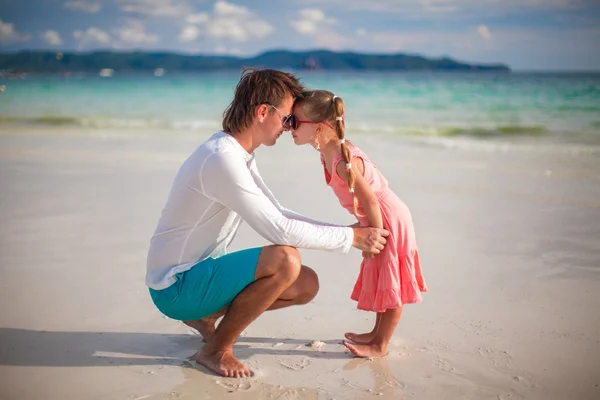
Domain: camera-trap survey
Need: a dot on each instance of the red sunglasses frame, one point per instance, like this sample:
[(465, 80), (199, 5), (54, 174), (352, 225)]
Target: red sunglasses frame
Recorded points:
[(291, 122)]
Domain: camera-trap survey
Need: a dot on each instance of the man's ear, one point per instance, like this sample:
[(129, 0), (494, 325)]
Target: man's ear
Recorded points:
[(261, 112)]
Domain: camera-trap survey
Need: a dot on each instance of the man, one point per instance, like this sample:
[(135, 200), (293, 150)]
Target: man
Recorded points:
[(190, 275)]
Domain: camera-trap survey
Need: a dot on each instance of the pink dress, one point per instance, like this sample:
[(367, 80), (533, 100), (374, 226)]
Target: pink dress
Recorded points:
[(394, 276)]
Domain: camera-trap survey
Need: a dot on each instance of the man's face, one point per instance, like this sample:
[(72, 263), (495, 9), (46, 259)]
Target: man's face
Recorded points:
[(272, 124)]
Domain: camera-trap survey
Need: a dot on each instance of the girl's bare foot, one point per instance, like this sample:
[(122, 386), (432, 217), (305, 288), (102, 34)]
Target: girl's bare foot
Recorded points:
[(205, 326), (365, 350), (361, 338), (223, 363)]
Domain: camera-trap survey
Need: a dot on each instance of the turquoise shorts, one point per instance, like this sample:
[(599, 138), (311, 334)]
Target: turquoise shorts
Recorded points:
[(209, 286)]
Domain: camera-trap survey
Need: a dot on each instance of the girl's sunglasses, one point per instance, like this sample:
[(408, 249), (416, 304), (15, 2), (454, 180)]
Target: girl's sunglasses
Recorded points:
[(291, 122)]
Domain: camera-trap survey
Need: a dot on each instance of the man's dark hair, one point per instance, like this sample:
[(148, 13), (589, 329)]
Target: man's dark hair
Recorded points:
[(256, 87)]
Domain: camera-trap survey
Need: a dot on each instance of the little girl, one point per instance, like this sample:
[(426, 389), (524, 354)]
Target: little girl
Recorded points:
[(392, 278)]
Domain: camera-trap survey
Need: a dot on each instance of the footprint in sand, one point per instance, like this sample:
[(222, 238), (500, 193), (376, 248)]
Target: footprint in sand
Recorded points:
[(510, 396), (235, 385), (387, 381), (501, 361), (305, 362), (444, 365), (290, 394), (526, 382)]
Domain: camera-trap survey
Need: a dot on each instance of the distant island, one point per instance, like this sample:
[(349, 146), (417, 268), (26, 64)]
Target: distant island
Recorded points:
[(56, 62)]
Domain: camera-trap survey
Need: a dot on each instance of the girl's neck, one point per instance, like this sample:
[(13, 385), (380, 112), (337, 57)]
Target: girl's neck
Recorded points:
[(331, 149)]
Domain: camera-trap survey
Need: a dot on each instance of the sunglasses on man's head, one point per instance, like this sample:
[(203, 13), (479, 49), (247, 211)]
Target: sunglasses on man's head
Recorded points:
[(291, 122)]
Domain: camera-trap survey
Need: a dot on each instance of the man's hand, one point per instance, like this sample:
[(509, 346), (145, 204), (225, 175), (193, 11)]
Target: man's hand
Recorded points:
[(368, 255), (364, 253), (370, 240)]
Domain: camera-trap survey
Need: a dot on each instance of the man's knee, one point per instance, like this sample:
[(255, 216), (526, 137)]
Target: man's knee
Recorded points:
[(310, 285), (283, 262), (290, 263)]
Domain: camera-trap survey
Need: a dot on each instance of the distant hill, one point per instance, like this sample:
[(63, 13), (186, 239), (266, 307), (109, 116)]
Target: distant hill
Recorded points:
[(43, 61)]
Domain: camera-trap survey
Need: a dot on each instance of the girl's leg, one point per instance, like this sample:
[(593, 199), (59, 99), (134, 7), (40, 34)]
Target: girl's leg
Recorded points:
[(377, 347), (364, 337)]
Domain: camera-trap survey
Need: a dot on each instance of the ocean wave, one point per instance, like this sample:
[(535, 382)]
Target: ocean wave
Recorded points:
[(193, 124), (567, 149), (482, 132), (501, 132), (112, 122)]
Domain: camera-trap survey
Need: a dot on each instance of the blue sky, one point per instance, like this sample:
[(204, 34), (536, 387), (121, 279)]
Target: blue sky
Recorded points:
[(526, 34)]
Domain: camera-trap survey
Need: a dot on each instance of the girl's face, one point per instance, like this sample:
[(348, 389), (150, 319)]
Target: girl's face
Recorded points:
[(305, 132)]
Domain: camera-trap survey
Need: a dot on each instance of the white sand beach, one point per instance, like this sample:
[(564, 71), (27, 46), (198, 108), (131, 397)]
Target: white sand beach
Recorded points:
[(509, 242)]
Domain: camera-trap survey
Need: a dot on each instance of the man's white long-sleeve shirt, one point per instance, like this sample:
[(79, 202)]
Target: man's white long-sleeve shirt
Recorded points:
[(216, 189)]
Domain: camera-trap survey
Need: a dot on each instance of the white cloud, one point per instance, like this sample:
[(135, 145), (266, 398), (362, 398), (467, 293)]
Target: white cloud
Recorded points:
[(304, 27), (227, 21), (361, 32), (9, 34), (83, 6), (7, 31), (224, 8), (92, 36), (189, 33), (484, 32), (311, 22), (313, 14), (156, 8), (52, 37), (258, 28), (197, 18), (314, 23), (565, 4), (437, 8), (135, 32)]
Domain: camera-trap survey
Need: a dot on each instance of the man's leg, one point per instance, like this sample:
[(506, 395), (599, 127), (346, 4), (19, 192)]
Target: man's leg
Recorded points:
[(277, 269), (206, 326), (302, 291)]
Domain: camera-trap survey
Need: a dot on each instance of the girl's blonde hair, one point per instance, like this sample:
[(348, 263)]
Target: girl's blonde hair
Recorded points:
[(324, 106)]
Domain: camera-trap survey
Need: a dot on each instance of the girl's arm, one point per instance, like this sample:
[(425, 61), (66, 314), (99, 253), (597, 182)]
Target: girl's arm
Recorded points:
[(363, 192)]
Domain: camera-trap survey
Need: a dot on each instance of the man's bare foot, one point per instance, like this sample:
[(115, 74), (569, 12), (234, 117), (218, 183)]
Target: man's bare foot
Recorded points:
[(205, 326), (365, 350), (360, 338), (223, 363)]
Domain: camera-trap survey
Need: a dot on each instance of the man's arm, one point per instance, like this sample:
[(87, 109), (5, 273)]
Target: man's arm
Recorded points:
[(226, 179), (286, 212)]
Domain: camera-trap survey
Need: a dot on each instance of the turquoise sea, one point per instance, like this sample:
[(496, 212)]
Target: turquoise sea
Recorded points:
[(531, 110)]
